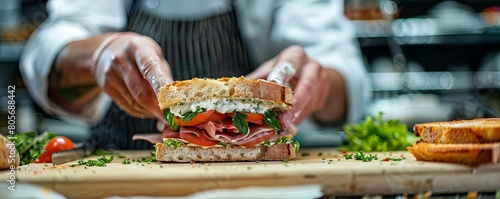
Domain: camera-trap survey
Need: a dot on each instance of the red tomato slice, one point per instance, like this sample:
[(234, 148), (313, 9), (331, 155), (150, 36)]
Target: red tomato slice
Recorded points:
[(199, 118), (200, 141), (255, 118), (260, 140), (217, 117)]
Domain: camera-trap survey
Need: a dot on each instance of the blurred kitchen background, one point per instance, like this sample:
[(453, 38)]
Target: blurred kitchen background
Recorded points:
[(428, 60)]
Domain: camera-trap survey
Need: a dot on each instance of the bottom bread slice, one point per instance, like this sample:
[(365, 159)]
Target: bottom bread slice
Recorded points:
[(467, 154), (186, 153)]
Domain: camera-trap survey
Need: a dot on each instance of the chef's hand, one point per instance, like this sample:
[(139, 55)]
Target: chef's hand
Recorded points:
[(310, 84), (131, 70)]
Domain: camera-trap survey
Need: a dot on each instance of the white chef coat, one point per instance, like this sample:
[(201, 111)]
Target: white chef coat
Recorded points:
[(269, 25)]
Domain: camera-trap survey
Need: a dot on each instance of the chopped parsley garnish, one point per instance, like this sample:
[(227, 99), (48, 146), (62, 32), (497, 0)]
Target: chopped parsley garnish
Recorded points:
[(126, 161), (171, 120), (188, 116), (100, 162), (361, 156), (320, 154), (240, 123), (393, 159), (270, 118), (306, 154), (150, 159), (172, 143)]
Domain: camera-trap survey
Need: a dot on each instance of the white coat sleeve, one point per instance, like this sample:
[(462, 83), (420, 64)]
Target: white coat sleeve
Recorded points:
[(328, 37), (68, 20)]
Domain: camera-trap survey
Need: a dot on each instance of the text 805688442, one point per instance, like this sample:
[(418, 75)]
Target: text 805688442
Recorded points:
[(11, 109)]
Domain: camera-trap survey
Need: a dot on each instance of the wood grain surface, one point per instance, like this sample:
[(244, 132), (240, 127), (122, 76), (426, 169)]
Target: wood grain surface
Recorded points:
[(327, 167)]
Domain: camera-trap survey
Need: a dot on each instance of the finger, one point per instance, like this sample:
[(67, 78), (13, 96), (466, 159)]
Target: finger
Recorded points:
[(294, 55), (115, 79), (161, 125), (136, 86), (122, 101), (263, 70), (151, 64), (307, 85)]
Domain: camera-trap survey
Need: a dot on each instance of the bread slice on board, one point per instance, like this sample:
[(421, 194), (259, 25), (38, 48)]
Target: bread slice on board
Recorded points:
[(482, 130), (467, 154), (185, 153), (228, 88)]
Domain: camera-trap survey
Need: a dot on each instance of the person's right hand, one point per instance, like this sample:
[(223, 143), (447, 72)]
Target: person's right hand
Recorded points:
[(131, 70)]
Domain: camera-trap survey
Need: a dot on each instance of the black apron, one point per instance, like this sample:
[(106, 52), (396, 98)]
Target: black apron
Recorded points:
[(211, 47)]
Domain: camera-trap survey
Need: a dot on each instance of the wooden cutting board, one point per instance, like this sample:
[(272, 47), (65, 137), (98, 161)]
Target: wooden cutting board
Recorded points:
[(327, 167)]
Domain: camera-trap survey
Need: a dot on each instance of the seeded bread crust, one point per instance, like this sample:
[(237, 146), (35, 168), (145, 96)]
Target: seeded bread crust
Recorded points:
[(482, 130), (5, 150), (467, 154), (186, 153), (229, 88)]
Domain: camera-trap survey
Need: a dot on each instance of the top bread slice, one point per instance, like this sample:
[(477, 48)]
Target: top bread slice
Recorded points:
[(228, 88), (482, 130)]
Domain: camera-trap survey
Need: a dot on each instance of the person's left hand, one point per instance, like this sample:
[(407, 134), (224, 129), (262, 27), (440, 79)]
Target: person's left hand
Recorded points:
[(310, 83)]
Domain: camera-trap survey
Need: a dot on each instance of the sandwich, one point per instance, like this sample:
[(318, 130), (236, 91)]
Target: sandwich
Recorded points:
[(469, 142), (226, 119)]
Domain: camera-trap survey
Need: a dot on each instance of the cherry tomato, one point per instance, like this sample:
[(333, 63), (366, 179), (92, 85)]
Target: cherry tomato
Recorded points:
[(58, 143)]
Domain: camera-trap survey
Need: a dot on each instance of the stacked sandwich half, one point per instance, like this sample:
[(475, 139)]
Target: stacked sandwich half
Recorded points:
[(470, 142)]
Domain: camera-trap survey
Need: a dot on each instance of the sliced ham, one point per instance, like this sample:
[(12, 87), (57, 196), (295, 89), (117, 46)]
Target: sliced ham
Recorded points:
[(223, 131), (168, 133), (153, 137), (255, 132)]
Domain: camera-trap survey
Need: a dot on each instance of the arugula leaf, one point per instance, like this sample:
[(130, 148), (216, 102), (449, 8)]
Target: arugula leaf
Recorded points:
[(171, 120), (266, 143), (223, 144), (296, 145), (270, 118), (188, 116), (240, 123), (281, 140), (373, 134), (172, 143)]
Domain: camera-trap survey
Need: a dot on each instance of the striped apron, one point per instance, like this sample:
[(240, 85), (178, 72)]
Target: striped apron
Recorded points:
[(211, 47)]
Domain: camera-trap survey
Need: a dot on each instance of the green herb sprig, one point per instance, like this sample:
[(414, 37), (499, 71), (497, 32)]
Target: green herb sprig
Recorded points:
[(240, 123), (170, 117), (30, 145), (270, 118)]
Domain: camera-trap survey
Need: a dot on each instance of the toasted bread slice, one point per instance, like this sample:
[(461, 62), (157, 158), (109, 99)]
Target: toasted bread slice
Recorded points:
[(185, 153), (483, 130), (196, 90), (467, 154)]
